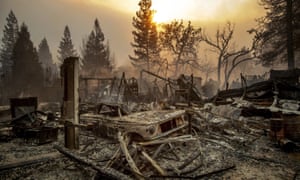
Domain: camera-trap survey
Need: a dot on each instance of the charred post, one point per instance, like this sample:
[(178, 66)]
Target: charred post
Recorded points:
[(71, 102)]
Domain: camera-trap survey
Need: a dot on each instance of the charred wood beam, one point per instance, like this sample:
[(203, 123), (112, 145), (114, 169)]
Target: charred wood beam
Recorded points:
[(128, 157), (106, 172), (155, 75), (46, 158), (261, 86), (154, 163)]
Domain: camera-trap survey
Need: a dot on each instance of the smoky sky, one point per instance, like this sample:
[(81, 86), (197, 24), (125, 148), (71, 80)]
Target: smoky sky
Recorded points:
[(47, 18)]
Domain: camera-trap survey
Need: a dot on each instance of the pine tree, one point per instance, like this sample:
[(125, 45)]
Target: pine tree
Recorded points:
[(27, 72), (10, 35), (66, 47), (145, 36), (278, 31), (96, 54), (109, 58), (45, 57)]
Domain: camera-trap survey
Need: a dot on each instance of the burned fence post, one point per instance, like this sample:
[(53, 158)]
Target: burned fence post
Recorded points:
[(71, 101)]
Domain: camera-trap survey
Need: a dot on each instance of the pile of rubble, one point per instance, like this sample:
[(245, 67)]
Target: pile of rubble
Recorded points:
[(222, 143), (246, 133)]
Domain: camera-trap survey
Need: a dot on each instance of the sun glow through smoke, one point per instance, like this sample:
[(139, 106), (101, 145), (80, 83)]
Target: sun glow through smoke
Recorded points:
[(203, 10)]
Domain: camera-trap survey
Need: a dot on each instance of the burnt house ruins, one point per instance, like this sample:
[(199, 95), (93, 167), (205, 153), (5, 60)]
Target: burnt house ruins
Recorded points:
[(186, 103), (133, 128)]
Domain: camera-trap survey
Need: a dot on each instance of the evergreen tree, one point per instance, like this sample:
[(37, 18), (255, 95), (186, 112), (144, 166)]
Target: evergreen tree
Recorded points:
[(145, 36), (110, 58), (278, 31), (66, 47), (95, 54), (10, 34), (45, 57), (27, 72)]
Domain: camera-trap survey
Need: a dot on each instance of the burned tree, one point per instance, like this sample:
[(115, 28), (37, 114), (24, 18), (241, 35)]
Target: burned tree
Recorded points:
[(10, 35), (66, 47), (228, 58), (279, 25), (233, 59), (145, 36), (45, 57), (96, 58), (182, 42), (27, 72), (220, 45), (206, 68)]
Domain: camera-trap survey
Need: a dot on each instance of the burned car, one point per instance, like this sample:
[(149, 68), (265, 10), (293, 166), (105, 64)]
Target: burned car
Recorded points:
[(146, 125)]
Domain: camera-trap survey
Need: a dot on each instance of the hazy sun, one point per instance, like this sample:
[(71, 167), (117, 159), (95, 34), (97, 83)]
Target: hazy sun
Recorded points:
[(168, 10)]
